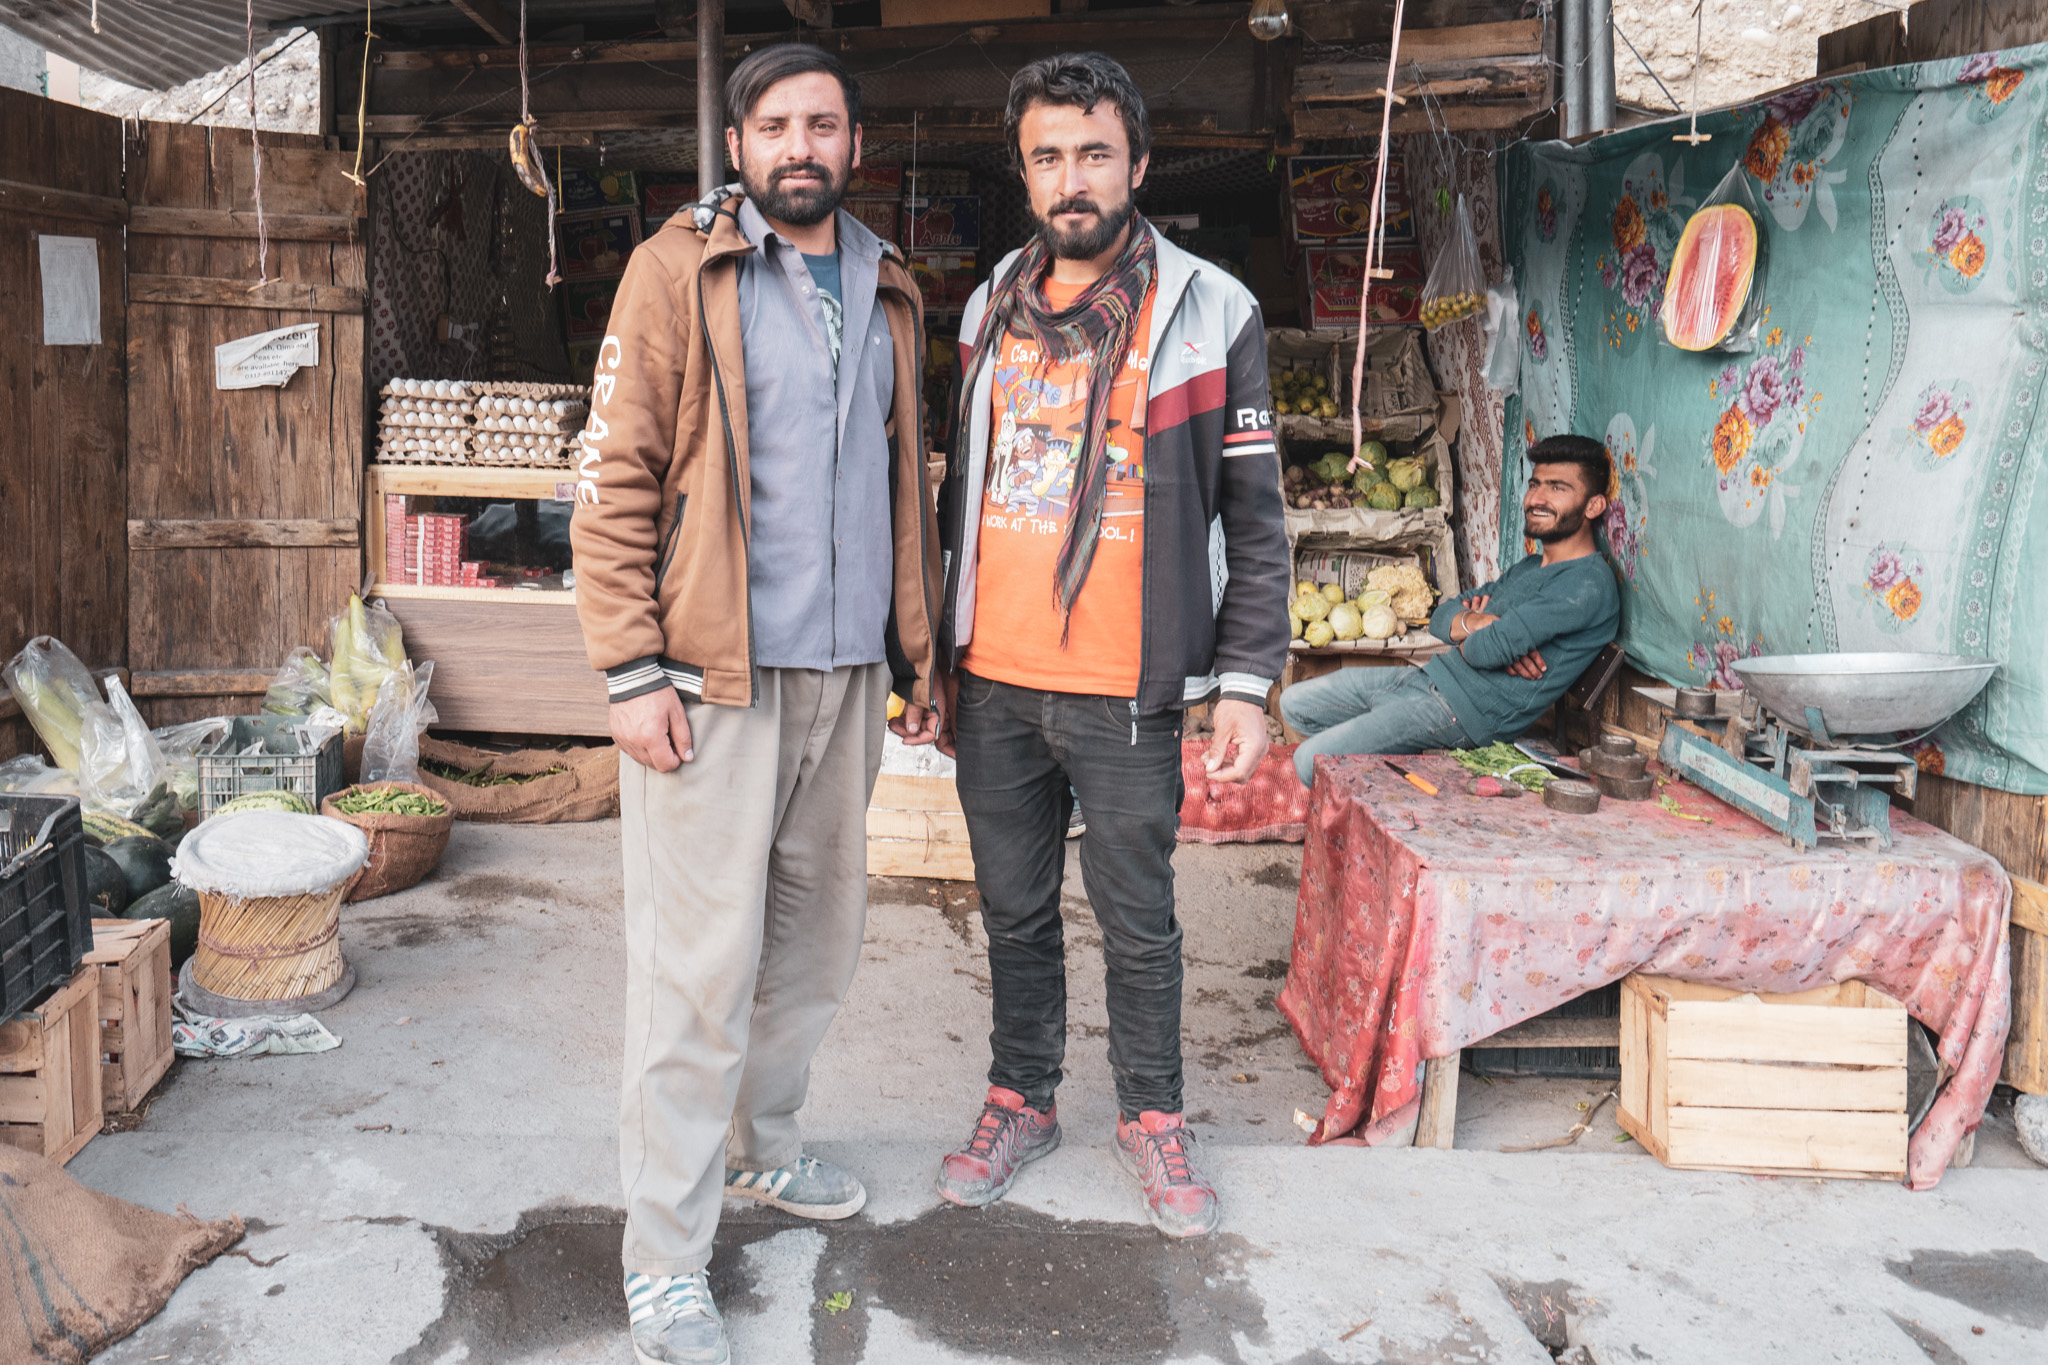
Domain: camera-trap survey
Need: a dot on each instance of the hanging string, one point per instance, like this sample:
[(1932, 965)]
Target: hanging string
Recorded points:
[(1699, 59), (363, 101), (95, 16), (915, 192), (256, 153), (1375, 241), (526, 118)]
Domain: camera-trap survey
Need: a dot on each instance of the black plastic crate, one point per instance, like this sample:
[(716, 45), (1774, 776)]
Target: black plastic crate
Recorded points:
[(45, 919), (1592, 1063)]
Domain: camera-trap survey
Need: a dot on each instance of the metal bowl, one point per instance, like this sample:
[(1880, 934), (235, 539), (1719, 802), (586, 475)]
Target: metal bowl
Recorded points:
[(1866, 694)]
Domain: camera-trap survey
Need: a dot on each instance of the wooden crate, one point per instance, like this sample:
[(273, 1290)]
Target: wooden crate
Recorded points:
[(2026, 1046), (916, 829), (50, 1072), (133, 958), (1805, 1084)]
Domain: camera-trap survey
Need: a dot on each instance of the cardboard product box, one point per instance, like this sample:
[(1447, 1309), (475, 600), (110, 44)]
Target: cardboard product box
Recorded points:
[(1331, 199), (594, 246), (1333, 279), (582, 191), (884, 178), (659, 203), (945, 278), (587, 308), (941, 222), (881, 215)]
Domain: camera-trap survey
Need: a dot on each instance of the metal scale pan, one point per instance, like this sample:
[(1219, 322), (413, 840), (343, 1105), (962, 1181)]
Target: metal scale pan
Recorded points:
[(1817, 756)]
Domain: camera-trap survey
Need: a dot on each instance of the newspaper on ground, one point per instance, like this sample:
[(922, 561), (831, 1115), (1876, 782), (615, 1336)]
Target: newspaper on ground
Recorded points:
[(199, 1035)]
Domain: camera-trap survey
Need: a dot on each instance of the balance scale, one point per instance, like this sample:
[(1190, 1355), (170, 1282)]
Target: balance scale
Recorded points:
[(1811, 746)]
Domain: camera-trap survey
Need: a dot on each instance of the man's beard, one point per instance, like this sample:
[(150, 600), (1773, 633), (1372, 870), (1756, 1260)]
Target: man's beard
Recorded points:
[(798, 207), (1085, 244), (1567, 525)]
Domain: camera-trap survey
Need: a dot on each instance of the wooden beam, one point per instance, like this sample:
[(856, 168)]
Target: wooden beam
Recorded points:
[(209, 292), (483, 142), (282, 227), (490, 16), (1346, 122), (1514, 37), (1437, 1125), (2030, 905), (933, 125), (1360, 82), (163, 533), (18, 197), (202, 682)]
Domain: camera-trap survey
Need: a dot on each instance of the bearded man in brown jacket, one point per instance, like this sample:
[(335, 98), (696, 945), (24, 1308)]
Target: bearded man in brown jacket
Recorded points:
[(756, 570)]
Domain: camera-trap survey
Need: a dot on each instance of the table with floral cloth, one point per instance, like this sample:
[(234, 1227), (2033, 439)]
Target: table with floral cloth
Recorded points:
[(1426, 924)]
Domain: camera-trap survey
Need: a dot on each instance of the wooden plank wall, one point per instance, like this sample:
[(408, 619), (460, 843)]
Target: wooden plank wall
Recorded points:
[(232, 603), (63, 409), (1939, 29)]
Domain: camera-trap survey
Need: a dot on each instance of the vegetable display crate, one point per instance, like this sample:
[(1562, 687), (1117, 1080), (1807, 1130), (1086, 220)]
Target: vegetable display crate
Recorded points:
[(284, 764), (50, 1100), (133, 959), (916, 829), (1809, 1084), (45, 919)]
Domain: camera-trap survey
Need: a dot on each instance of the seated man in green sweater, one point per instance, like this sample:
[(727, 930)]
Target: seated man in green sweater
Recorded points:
[(1521, 639)]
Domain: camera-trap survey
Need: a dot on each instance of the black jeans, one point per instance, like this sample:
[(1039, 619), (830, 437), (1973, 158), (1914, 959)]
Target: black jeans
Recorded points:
[(1019, 748)]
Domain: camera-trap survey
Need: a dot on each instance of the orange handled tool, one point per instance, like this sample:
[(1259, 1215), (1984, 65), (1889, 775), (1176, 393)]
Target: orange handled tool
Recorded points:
[(1420, 785)]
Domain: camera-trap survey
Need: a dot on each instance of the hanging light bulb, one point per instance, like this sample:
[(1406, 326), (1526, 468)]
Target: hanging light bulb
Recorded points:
[(1269, 20)]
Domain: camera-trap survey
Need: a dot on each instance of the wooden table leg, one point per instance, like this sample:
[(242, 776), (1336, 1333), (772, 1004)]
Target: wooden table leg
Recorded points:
[(1439, 1121)]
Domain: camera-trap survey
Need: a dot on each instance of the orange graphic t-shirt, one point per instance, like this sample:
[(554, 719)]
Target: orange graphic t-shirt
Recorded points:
[(1037, 425)]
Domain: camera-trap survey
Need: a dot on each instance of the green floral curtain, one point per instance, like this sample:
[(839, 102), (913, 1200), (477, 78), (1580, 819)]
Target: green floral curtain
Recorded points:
[(1863, 477)]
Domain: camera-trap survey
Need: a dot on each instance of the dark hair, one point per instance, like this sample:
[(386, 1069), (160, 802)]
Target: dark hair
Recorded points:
[(1585, 452), (752, 77), (1082, 80)]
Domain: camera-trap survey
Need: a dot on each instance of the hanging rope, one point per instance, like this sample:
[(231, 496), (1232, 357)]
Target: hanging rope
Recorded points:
[(256, 153), (1699, 59), (95, 16), (1375, 240), (523, 134), (362, 101)]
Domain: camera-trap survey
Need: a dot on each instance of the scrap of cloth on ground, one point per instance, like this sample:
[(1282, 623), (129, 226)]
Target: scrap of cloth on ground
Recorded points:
[(85, 1269), (1427, 924), (1863, 477)]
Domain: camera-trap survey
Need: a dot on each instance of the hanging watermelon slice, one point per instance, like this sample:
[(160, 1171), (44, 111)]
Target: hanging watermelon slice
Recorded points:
[(1711, 274)]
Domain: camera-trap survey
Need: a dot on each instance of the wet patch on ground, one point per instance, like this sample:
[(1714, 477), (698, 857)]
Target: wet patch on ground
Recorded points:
[(1281, 876), (2012, 1285), (1272, 969), (1015, 1284), (958, 903), (495, 888), (419, 929)]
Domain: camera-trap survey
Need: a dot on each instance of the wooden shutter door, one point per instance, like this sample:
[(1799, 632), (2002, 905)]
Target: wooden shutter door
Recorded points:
[(244, 506)]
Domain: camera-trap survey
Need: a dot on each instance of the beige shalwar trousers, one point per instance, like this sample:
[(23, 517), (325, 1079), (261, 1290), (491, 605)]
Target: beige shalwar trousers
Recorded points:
[(746, 897)]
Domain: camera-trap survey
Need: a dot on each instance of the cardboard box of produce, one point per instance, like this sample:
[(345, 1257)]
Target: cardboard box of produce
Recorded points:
[(582, 191), (879, 214), (594, 246), (587, 307), (941, 222), (1333, 279), (1331, 199)]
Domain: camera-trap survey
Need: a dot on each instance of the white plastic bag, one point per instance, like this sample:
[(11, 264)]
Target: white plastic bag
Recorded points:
[(180, 745), (53, 689), (119, 763), (391, 744), (1503, 328), (1714, 292)]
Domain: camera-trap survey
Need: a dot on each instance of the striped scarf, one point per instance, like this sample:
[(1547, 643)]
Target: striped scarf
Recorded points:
[(1102, 321)]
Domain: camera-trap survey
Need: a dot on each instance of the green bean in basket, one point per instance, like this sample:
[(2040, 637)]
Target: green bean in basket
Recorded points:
[(388, 801)]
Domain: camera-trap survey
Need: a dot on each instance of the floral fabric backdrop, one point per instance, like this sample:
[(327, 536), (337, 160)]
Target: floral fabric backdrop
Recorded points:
[(1864, 477)]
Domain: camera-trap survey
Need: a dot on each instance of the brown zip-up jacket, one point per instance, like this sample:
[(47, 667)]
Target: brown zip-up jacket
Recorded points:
[(662, 523)]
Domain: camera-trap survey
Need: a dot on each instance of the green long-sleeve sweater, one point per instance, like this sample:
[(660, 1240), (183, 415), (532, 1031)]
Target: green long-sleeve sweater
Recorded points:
[(1569, 611)]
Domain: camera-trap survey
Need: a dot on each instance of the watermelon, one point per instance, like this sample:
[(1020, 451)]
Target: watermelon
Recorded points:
[(290, 802), (179, 905), (1711, 272), (145, 863), (106, 885), (102, 829)]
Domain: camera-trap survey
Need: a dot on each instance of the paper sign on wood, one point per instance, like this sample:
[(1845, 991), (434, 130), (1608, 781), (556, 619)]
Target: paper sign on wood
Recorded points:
[(268, 358), (71, 290)]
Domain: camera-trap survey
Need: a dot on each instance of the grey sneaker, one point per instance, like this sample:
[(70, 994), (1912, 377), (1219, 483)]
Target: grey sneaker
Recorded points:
[(674, 1321), (807, 1187)]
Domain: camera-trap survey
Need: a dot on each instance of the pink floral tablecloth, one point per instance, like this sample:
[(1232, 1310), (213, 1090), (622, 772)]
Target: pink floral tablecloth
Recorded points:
[(1427, 924)]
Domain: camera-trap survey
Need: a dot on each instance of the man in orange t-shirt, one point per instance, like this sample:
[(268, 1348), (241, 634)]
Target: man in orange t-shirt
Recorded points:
[(1112, 532)]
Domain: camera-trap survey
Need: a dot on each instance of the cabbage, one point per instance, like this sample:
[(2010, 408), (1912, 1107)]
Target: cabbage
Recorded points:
[(1373, 452), (1384, 497), (1330, 469), (1424, 496), (1405, 474)]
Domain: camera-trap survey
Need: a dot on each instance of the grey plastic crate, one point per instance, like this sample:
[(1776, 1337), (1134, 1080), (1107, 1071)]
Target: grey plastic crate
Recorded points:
[(284, 764)]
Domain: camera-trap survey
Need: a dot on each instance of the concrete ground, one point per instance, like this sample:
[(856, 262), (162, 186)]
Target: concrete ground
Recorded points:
[(444, 1186)]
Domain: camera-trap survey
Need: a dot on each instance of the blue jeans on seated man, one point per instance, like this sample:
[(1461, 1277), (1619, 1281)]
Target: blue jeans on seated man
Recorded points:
[(1369, 711)]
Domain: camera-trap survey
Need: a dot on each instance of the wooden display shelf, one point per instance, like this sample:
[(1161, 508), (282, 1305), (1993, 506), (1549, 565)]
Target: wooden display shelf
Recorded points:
[(505, 659)]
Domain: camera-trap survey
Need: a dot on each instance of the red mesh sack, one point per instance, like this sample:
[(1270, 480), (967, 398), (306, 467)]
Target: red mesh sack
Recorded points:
[(1269, 807)]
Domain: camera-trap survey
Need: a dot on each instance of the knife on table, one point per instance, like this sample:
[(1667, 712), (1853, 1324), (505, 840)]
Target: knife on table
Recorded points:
[(1426, 788)]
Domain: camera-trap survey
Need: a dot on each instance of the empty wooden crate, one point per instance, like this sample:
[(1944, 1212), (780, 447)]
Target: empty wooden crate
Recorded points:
[(915, 829), (1805, 1084), (133, 959), (50, 1071)]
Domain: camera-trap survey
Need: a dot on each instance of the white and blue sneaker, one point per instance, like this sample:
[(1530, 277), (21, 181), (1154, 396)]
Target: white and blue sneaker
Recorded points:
[(807, 1187), (674, 1321)]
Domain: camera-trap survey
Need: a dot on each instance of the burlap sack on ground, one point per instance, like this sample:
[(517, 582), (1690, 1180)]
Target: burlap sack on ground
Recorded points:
[(85, 1269), (1269, 807), (587, 789)]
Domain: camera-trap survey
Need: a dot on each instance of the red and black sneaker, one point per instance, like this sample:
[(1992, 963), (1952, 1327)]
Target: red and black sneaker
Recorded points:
[(1010, 1135), (1178, 1199)]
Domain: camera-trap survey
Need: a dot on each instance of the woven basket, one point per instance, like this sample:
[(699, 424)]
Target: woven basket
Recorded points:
[(403, 848), (269, 947)]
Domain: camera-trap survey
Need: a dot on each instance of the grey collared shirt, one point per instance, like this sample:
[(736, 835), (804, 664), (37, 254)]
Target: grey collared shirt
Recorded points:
[(821, 550)]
